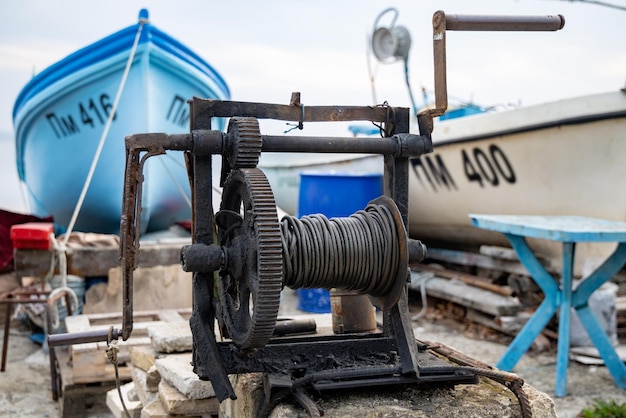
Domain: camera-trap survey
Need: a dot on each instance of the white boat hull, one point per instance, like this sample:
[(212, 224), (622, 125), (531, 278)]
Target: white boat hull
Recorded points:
[(560, 158)]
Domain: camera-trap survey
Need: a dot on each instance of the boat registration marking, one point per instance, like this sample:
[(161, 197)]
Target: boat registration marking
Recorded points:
[(178, 111), (90, 113), (94, 112), (490, 167)]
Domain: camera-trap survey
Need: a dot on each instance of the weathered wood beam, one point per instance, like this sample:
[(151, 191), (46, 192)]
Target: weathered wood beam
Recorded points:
[(93, 261)]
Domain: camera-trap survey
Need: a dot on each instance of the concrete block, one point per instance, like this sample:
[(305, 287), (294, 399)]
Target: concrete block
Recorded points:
[(177, 370), (143, 357), (176, 403), (115, 404), (160, 287), (171, 337)]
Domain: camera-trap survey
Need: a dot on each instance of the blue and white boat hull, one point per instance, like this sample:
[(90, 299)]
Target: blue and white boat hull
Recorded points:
[(60, 116)]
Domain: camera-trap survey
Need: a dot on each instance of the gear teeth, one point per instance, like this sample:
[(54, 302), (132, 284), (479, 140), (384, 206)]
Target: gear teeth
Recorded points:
[(247, 142), (251, 184)]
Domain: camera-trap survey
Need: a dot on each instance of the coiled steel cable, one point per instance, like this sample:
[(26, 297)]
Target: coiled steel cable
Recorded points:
[(360, 252)]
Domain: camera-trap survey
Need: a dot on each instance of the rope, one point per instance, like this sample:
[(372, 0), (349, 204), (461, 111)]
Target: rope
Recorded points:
[(61, 258), (422, 279), (299, 125), (107, 126), (112, 356), (359, 253), (61, 248)]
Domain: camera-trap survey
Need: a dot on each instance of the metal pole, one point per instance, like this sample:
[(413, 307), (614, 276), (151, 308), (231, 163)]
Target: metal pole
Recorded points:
[(5, 339)]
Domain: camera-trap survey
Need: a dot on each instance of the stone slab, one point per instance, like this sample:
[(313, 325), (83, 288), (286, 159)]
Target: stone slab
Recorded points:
[(177, 370), (156, 410), (171, 337), (153, 377), (143, 357), (482, 400), (177, 403), (140, 378)]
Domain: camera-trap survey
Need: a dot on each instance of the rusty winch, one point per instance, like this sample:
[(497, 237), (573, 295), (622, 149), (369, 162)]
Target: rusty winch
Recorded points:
[(243, 256), (240, 271)]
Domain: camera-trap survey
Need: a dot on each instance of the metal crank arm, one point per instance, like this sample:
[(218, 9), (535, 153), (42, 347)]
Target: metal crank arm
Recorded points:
[(443, 23)]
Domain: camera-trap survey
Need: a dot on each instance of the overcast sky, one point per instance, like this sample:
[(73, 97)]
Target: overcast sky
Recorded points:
[(267, 49)]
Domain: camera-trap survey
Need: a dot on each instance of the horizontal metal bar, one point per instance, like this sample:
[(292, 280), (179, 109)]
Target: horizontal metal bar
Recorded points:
[(405, 145), (225, 108), (153, 141), (207, 142), (504, 23), (277, 143), (101, 335)]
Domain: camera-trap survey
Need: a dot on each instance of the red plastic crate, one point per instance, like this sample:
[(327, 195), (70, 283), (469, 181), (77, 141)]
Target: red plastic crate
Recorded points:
[(32, 235)]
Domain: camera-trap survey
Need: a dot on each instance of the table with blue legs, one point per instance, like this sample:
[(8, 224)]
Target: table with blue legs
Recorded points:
[(569, 230)]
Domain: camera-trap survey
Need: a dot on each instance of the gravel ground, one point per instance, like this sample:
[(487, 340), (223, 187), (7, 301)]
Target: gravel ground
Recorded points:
[(25, 385), (585, 383)]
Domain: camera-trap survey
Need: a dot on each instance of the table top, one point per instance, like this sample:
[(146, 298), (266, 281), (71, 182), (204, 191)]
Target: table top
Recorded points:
[(556, 228)]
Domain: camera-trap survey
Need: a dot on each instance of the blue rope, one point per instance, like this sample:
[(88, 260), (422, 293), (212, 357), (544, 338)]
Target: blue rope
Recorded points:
[(299, 125)]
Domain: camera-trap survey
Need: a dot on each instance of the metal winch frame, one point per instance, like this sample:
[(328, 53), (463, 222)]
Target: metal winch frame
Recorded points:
[(390, 355)]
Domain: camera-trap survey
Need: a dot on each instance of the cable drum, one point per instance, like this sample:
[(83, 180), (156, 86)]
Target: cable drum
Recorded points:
[(365, 252)]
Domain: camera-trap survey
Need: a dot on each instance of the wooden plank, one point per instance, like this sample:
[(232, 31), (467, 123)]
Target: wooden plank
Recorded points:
[(509, 325), (465, 258), (555, 228), (620, 303), (466, 295), (96, 261), (93, 366), (476, 281), (89, 361), (75, 396)]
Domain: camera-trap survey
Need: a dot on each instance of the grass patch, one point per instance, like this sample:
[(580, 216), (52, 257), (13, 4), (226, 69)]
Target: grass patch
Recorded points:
[(604, 409)]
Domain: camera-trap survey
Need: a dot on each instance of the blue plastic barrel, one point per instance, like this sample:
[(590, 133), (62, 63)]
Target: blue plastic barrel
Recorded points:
[(333, 195)]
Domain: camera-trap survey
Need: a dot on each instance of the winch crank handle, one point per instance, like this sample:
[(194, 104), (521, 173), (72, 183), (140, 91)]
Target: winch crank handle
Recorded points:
[(70, 338), (443, 22)]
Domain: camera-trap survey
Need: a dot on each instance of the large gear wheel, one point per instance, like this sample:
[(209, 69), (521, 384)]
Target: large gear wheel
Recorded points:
[(245, 144), (250, 284)]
